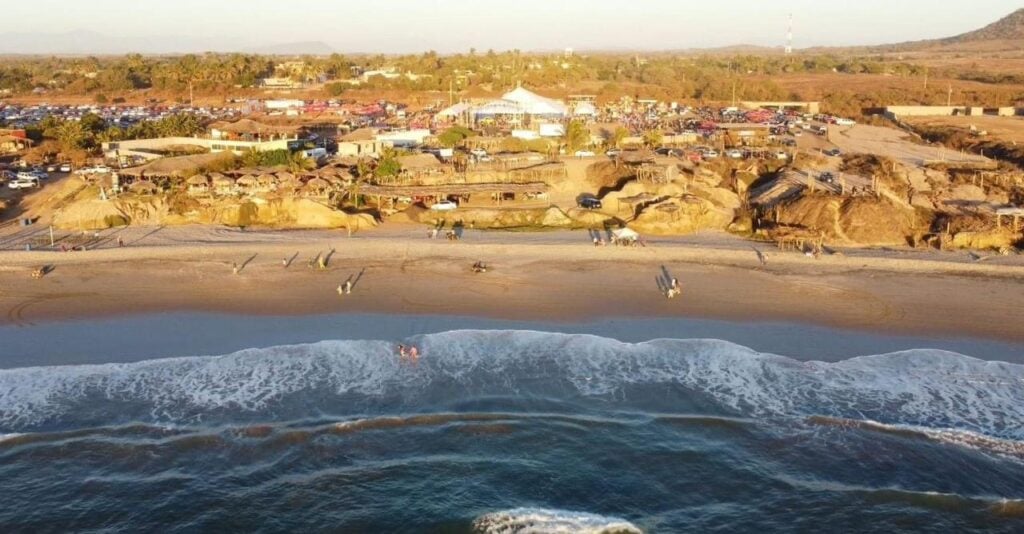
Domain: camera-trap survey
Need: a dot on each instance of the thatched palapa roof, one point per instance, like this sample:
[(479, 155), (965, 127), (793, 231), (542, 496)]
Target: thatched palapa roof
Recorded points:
[(451, 189), (171, 167), (419, 162), (251, 127)]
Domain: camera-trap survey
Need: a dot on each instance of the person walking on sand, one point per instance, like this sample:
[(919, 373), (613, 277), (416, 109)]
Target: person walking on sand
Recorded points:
[(348, 287), (234, 267), (340, 290), (284, 263), (120, 241)]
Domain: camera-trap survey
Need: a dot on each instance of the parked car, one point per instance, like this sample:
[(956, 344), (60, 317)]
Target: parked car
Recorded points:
[(834, 153), (478, 152), (734, 154), (42, 175), (590, 203), (584, 154), (827, 177), (23, 183), (845, 122), (66, 167), (780, 155), (444, 205), (51, 168), (710, 154), (100, 169), (612, 152)]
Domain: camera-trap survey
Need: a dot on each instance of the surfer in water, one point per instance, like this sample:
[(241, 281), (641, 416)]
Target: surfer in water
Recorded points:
[(402, 352)]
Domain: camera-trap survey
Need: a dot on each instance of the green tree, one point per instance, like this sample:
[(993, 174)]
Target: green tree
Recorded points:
[(653, 138), (577, 136), (388, 164), (71, 135), (454, 135)]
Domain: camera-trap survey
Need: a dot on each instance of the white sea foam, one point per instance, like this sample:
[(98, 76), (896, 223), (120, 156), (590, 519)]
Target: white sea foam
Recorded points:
[(924, 388), (545, 521), (8, 437), (960, 438), (944, 499)]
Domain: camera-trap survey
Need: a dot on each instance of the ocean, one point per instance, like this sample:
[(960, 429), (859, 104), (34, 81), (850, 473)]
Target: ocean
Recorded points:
[(505, 430)]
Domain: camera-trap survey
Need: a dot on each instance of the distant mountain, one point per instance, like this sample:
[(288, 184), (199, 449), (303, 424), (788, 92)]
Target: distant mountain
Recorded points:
[(1007, 32), (84, 42), (314, 48), (1008, 28)]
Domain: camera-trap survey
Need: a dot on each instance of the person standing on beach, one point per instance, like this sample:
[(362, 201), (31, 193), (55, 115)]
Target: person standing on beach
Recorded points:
[(234, 267)]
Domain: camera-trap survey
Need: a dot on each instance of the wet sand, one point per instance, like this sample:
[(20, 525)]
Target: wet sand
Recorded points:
[(531, 279)]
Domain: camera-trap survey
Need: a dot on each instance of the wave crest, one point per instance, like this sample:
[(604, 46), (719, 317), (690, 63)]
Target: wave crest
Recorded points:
[(923, 388), (545, 521)]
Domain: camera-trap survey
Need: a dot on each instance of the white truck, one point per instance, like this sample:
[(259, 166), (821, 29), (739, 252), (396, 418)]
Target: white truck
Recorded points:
[(22, 182)]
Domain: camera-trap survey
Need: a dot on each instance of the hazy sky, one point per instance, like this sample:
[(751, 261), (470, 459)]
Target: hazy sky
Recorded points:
[(456, 25)]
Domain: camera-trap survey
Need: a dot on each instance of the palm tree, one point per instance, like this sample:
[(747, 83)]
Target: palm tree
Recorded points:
[(71, 135), (618, 136)]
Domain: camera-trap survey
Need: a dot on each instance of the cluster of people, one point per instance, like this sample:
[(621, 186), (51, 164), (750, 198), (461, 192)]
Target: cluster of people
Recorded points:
[(479, 267), (346, 288), (410, 353)]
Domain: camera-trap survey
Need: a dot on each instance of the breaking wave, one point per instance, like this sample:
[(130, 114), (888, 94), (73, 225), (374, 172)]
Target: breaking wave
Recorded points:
[(927, 389), (544, 521)]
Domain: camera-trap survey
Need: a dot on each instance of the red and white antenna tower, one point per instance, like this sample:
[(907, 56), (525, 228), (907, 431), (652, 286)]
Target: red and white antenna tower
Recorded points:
[(789, 36)]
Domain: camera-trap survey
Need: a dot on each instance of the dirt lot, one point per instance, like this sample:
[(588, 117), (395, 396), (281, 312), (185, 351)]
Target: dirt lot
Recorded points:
[(1005, 129), (894, 144)]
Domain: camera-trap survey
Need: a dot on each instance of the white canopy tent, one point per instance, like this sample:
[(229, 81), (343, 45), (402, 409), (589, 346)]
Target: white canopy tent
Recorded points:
[(534, 104)]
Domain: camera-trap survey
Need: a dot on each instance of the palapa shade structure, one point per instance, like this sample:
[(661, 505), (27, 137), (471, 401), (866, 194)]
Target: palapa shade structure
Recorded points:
[(143, 187), (290, 183), (419, 163), (318, 186), (451, 189), (198, 180), (222, 184), (177, 167), (247, 180), (266, 180)]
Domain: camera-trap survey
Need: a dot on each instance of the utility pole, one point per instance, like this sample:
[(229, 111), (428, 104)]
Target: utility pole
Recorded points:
[(926, 78), (949, 96)]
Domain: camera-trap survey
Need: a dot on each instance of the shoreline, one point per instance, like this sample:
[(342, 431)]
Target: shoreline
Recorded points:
[(556, 278)]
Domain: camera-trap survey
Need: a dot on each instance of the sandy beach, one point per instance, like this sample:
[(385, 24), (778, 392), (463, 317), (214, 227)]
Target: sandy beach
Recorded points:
[(554, 276)]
